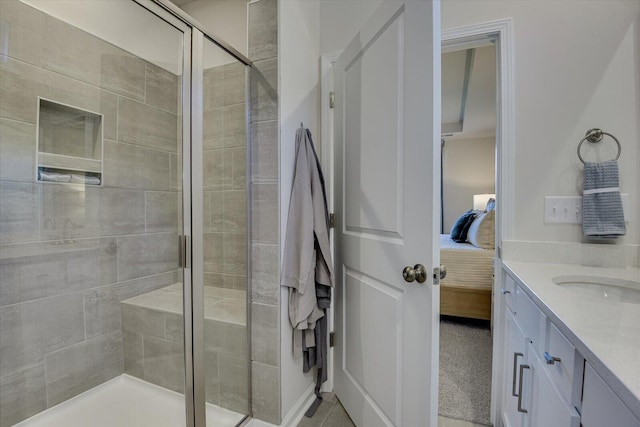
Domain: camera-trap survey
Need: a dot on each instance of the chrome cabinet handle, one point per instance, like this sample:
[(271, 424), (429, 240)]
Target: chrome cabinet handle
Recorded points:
[(504, 291), (418, 273), (551, 360), (520, 408), (515, 369)]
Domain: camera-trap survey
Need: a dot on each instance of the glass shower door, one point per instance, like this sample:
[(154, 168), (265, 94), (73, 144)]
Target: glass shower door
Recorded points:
[(91, 204)]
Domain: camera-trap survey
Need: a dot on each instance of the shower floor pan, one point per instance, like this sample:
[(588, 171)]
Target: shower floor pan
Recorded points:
[(126, 401)]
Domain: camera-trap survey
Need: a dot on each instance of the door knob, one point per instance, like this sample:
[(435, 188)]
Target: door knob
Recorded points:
[(443, 271), (418, 272)]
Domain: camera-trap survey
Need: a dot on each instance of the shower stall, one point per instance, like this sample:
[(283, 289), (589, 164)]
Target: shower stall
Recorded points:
[(123, 218)]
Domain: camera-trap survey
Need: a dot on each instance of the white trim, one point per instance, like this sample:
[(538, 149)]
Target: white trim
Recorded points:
[(326, 126), (505, 160)]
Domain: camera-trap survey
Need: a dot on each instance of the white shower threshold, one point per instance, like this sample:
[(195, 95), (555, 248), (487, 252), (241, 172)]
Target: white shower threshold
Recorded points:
[(126, 401)]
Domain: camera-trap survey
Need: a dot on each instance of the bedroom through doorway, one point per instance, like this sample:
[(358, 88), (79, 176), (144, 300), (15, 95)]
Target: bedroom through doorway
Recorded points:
[(468, 224)]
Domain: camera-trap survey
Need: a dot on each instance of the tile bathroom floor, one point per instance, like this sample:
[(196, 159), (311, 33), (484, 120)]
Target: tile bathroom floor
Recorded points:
[(330, 413)]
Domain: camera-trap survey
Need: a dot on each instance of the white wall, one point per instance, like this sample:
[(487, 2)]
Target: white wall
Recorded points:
[(469, 168), (299, 54), (340, 21), (577, 66)]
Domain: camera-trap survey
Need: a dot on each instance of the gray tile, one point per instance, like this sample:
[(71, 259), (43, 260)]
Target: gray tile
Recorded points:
[(144, 125), (158, 300), (222, 293), (264, 151), (17, 151), (265, 266), (264, 90), (133, 354), (214, 170), (32, 329), (38, 270), (211, 377), (234, 258), (74, 211), (213, 83), (164, 363), (176, 172), (144, 321), (213, 244), (234, 212), (264, 209), (130, 166), (227, 311), (102, 305), (234, 125), (214, 210), (234, 383), (23, 26), (174, 327), (263, 30), (161, 211), (265, 339), (234, 84), (145, 255), (240, 282), (78, 368), (212, 128), (225, 338), (238, 168), (218, 280), (338, 417), (74, 53), (162, 88), (22, 394), (452, 422), (265, 392), (21, 85), (18, 212)]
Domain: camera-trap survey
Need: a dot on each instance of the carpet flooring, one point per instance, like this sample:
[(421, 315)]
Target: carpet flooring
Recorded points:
[(465, 370)]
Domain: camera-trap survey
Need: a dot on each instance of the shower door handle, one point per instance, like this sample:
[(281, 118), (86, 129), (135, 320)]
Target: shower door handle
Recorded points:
[(184, 251)]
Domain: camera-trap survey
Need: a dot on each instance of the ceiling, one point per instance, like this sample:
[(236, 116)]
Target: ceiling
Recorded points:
[(469, 93)]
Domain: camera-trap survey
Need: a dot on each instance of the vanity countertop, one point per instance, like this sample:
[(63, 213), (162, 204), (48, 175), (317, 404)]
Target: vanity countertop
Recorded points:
[(605, 332)]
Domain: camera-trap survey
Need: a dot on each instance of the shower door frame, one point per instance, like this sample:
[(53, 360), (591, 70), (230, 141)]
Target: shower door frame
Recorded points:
[(194, 36)]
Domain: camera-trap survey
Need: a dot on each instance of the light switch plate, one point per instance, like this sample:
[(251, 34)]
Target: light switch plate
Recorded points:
[(568, 209)]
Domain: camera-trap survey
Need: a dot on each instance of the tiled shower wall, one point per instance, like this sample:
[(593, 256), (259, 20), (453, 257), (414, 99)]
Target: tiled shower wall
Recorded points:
[(265, 250), (224, 143), (69, 253)]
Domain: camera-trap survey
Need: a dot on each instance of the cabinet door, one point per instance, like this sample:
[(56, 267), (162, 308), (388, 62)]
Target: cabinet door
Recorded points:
[(515, 355), (600, 405), (545, 406)]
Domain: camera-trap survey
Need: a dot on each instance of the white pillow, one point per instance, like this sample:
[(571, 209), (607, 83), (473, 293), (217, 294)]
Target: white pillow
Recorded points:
[(482, 231)]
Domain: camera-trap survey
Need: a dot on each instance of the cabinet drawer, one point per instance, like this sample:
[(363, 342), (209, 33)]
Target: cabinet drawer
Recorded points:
[(600, 405), (530, 319), (563, 371)]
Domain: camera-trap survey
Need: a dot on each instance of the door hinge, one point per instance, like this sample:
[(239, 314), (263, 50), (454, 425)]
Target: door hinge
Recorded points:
[(332, 220), (499, 252), (332, 99), (332, 339)]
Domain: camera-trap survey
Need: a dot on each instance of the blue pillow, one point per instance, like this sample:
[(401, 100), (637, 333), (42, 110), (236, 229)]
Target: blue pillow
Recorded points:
[(461, 226)]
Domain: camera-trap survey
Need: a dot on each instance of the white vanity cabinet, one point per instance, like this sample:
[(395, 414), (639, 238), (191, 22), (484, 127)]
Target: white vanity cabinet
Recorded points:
[(530, 397)]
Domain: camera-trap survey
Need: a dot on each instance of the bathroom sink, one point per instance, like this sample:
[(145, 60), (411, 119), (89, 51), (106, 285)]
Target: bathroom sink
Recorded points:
[(611, 289)]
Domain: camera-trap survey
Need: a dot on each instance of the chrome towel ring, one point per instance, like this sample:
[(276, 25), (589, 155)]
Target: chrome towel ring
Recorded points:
[(595, 135)]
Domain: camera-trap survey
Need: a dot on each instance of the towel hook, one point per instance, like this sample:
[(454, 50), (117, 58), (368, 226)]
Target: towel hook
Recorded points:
[(596, 135)]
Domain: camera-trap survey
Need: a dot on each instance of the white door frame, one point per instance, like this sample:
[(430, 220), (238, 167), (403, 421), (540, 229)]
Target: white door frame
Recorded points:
[(501, 30)]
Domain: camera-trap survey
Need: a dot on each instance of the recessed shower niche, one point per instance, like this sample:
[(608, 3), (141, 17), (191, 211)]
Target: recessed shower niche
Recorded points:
[(69, 144)]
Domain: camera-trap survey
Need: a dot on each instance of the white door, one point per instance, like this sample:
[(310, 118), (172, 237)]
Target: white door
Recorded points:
[(387, 159)]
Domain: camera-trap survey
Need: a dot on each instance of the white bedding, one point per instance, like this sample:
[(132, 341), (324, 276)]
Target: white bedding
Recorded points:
[(466, 264)]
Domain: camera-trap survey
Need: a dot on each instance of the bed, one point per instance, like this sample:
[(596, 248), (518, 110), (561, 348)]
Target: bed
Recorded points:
[(466, 291)]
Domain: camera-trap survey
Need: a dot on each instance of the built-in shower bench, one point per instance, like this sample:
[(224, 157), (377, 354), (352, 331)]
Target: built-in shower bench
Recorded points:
[(153, 341)]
